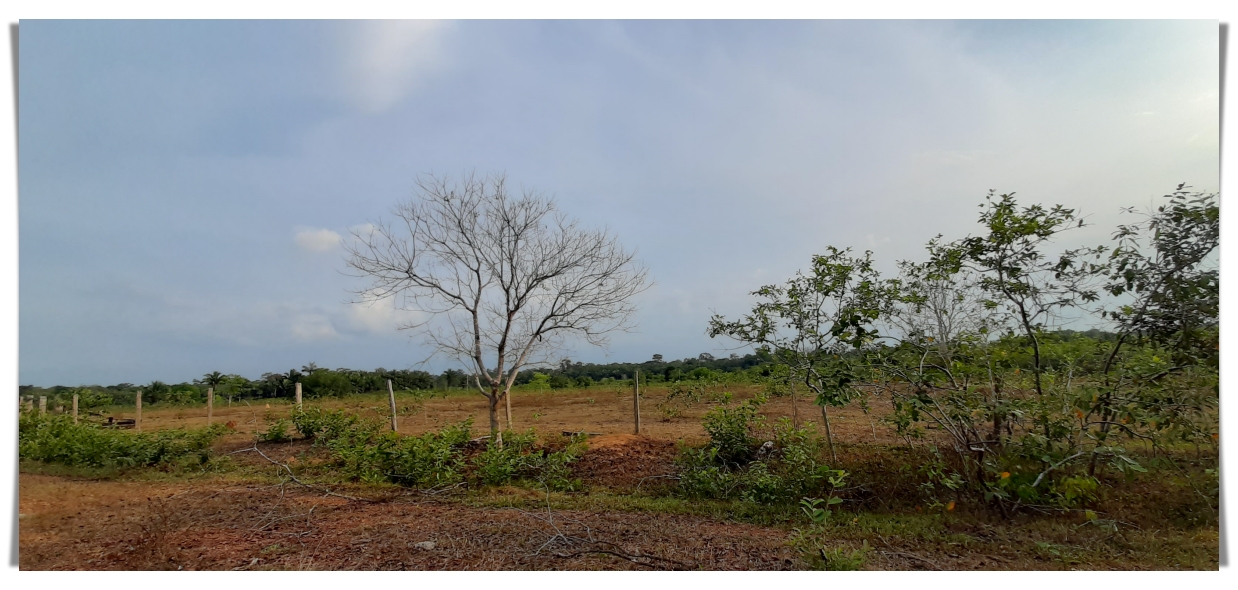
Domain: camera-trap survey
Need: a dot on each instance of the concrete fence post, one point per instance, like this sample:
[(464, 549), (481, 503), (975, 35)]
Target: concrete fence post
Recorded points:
[(391, 396), (636, 399)]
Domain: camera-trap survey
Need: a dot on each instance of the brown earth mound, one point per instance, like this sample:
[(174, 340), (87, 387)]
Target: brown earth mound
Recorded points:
[(625, 461)]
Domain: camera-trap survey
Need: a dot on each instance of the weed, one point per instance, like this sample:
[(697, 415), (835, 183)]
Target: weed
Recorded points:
[(277, 431), (839, 559), (814, 509)]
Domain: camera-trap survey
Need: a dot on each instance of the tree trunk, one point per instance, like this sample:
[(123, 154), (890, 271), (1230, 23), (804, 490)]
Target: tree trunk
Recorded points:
[(507, 400), (829, 438), (795, 414), (496, 435)]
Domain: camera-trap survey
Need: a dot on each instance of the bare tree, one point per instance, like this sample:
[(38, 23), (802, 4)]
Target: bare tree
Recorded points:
[(503, 282)]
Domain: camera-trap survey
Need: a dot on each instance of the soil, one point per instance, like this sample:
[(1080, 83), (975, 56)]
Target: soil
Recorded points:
[(224, 522), (77, 524), (597, 410), (625, 461)]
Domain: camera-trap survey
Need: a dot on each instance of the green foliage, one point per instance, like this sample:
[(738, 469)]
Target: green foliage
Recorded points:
[(317, 423), (277, 431), (839, 559), (818, 510), (539, 382), (326, 383), (89, 399), (731, 428), (1075, 492), (56, 439), (520, 460), (787, 470), (364, 452), (428, 460), (181, 395)]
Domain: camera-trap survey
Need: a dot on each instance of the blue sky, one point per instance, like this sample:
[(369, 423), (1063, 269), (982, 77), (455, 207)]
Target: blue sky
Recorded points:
[(181, 183)]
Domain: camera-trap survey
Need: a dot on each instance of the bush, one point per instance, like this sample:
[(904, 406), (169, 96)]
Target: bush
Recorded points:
[(434, 458), (277, 431), (324, 383), (89, 399), (788, 470), (731, 429), (56, 439), (323, 425), (518, 460)]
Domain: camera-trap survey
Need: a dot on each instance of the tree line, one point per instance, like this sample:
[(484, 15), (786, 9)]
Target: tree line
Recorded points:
[(324, 382)]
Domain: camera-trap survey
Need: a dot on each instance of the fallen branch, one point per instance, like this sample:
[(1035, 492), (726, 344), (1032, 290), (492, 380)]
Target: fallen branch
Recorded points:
[(906, 555), (642, 480), (312, 487), (591, 545), (912, 556)]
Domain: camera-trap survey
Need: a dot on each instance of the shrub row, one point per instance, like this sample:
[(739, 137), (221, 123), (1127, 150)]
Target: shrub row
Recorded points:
[(56, 439)]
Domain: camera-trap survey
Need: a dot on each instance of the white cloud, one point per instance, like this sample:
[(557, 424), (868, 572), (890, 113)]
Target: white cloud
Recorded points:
[(317, 240), (384, 60), (363, 229), (380, 317), (313, 328)]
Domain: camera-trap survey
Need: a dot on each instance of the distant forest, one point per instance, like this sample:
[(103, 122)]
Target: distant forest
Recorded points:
[(323, 382)]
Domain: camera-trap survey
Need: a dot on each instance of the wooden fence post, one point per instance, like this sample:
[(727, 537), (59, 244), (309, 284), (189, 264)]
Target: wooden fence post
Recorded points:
[(636, 399), (137, 418), (42, 405), (391, 395), (75, 408), (210, 405), (298, 395)]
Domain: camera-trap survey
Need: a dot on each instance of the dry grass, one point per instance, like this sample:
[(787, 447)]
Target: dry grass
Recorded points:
[(245, 517)]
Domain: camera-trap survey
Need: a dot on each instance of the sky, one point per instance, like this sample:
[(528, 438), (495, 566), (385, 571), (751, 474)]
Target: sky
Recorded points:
[(183, 186)]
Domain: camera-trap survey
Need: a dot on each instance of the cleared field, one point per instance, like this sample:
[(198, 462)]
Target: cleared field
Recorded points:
[(601, 410), (244, 513)]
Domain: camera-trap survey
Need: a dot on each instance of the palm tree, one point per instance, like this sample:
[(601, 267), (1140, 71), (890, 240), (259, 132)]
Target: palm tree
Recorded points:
[(212, 380), (156, 389), (291, 379)]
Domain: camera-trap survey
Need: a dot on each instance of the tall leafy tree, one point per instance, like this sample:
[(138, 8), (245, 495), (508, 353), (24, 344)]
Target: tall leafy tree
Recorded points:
[(812, 321)]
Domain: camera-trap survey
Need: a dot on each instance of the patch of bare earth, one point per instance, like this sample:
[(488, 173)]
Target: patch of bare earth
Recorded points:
[(211, 526), (625, 461)]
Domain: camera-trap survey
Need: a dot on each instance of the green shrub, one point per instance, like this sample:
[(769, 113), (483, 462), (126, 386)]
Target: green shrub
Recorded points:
[(89, 399), (731, 428), (431, 459), (56, 439), (277, 431), (519, 460), (324, 425), (788, 472), (1074, 492)]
